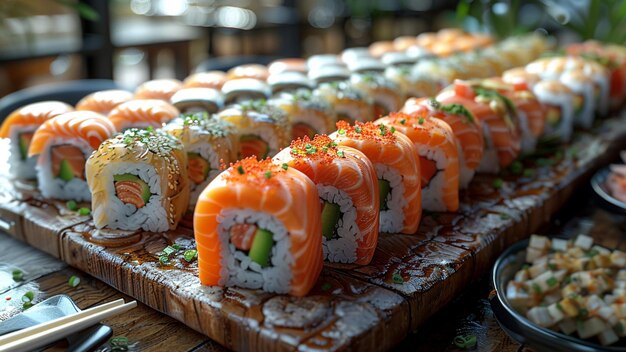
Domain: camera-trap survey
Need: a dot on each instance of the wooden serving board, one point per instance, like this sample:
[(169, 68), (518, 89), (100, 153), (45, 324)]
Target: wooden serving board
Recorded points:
[(370, 307)]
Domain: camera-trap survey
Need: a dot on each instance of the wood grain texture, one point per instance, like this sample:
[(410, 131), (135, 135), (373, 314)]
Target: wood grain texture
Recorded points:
[(368, 307)]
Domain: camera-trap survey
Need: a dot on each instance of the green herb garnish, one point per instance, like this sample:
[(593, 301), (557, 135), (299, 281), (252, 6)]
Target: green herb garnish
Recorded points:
[(392, 129), (268, 175), (190, 255), (164, 260), (240, 170), (465, 342), (528, 173), (403, 121), (357, 129), (71, 205), (73, 281), (552, 282), (341, 131), (285, 166), (421, 121), (498, 183), (341, 153), (84, 211), (169, 250), (118, 344), (29, 296), (458, 109), (397, 278), (18, 275), (516, 167)]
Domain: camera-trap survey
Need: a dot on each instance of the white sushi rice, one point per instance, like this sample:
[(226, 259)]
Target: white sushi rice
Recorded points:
[(267, 134), (392, 219), (529, 141), (238, 269), (585, 117), (119, 215), (465, 173), (207, 152), (343, 248), (565, 102), (53, 187), (432, 195), (20, 169), (490, 163)]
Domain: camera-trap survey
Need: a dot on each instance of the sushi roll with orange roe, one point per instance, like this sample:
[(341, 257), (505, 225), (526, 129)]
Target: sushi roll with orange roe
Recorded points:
[(258, 226), (438, 158), (348, 189), (142, 113), (397, 167), (104, 101)]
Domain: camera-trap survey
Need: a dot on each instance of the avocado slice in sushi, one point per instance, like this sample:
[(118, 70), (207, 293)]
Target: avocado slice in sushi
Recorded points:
[(383, 188), (24, 142), (330, 216), (261, 248), (253, 145), (198, 168), (145, 190), (65, 171)]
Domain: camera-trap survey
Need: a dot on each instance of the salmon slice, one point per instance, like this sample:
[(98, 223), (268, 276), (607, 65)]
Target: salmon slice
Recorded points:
[(161, 89), (242, 235), (104, 101), (287, 195), (198, 169), (211, 79), (142, 113), (129, 192), (71, 154), (352, 173), (33, 115), (434, 141)]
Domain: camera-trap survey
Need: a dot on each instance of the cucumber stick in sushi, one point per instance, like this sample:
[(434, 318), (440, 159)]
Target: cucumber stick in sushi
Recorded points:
[(348, 189), (62, 144), (20, 126), (257, 225), (138, 180), (397, 165)]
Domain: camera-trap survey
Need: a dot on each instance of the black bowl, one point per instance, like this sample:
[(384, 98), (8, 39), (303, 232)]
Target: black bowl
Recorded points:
[(602, 197), (517, 325)]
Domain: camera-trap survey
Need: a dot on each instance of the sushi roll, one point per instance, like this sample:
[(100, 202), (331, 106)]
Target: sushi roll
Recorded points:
[(385, 94), (438, 159), (412, 86), (520, 77), (138, 180), (254, 71), (465, 127), (380, 48), (398, 59), (366, 65), (328, 74), (348, 191), (245, 89), (308, 114), (289, 82), (142, 113), (559, 104), (584, 104), (104, 101), (258, 226), (62, 145), (348, 103), (402, 43), (210, 79), (209, 144), (263, 128), (287, 65), (397, 166), (189, 100), (323, 60), (20, 126), (162, 89), (493, 111), (355, 54)]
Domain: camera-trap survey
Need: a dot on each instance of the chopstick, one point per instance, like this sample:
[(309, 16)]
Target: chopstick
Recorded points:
[(43, 334)]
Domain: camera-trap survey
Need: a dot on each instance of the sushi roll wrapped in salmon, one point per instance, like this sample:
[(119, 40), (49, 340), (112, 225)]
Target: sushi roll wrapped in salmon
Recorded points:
[(438, 158), (20, 126), (142, 113), (162, 89), (308, 114), (493, 111), (255, 71), (263, 128), (385, 94), (104, 101), (62, 145), (209, 144), (348, 103), (412, 86), (397, 165), (287, 65), (190, 100), (209, 79), (138, 180), (465, 127), (348, 189), (258, 226)]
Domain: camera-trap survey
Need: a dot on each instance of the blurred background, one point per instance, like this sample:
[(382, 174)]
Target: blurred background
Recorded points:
[(131, 41)]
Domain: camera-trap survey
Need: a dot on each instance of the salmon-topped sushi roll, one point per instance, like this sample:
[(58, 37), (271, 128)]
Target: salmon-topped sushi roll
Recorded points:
[(585, 103), (104, 101), (142, 113), (558, 101), (494, 112), (138, 180), (262, 127), (20, 126), (162, 89), (438, 158), (287, 65), (348, 103), (412, 85), (385, 94), (62, 145), (348, 189), (209, 143), (465, 127), (257, 226), (209, 79), (308, 114), (397, 165)]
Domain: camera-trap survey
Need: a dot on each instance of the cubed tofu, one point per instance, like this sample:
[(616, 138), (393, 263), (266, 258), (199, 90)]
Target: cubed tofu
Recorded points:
[(518, 296), (584, 242), (538, 269), (618, 258), (568, 326), (552, 297), (594, 303), (559, 244), (602, 260), (608, 314), (541, 243), (546, 281), (590, 327), (569, 306), (540, 316), (601, 250), (607, 337), (533, 254), (556, 313), (521, 276), (570, 289)]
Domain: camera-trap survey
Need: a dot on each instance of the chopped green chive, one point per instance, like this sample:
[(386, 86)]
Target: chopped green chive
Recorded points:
[(190, 255), (498, 183), (73, 281), (393, 130), (403, 121), (326, 286), (552, 282), (71, 205), (169, 250), (119, 343), (529, 173), (421, 121), (268, 175), (164, 260), (240, 170), (465, 342), (341, 131), (28, 296), (357, 129), (150, 129), (397, 278), (592, 253), (536, 288), (84, 211), (516, 167), (552, 266), (341, 153), (177, 247), (18, 275), (285, 166)]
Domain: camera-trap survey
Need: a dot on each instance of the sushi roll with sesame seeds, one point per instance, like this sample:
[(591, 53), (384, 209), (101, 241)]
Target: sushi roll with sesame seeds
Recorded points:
[(308, 114), (138, 180), (385, 94), (348, 103)]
